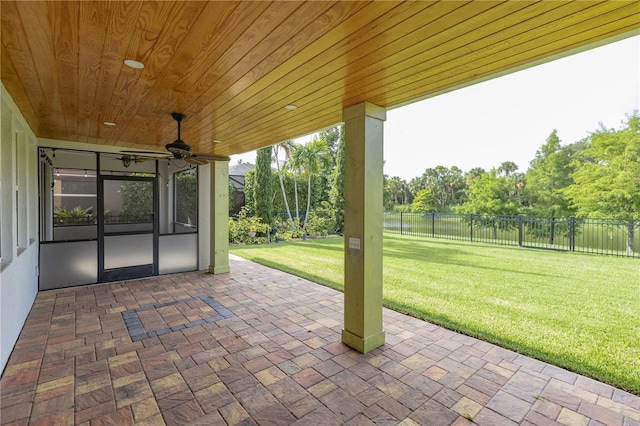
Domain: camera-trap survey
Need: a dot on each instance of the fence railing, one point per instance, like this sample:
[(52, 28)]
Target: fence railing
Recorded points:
[(620, 237)]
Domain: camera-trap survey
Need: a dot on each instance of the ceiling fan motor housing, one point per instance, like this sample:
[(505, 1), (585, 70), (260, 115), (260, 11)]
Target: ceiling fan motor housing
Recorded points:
[(178, 144)]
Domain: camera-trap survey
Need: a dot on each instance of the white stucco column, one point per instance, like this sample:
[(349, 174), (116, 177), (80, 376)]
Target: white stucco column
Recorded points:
[(219, 214), (363, 217)]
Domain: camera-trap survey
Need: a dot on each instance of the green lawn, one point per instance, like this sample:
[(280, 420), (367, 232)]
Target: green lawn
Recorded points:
[(577, 311)]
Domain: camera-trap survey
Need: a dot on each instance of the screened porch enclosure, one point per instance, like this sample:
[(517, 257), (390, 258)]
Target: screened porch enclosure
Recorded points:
[(103, 218)]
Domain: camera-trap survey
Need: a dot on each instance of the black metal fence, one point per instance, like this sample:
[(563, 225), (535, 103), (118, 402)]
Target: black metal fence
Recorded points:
[(619, 237)]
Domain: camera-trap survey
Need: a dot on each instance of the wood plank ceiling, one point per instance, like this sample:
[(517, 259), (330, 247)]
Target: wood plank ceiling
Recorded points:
[(231, 67)]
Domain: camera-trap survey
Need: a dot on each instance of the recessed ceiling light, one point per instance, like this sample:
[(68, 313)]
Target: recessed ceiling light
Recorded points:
[(134, 64), (109, 123), (291, 107), (217, 141)]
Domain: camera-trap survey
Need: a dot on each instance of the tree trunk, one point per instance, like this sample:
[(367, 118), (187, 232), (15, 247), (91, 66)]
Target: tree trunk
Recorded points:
[(631, 225), (284, 195), (306, 215), (295, 190)]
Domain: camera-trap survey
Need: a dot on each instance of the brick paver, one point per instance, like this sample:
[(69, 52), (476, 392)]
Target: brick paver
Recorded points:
[(257, 346)]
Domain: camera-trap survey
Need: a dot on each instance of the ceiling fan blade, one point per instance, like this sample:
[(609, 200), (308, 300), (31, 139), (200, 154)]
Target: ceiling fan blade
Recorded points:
[(196, 161), (150, 154), (211, 157), (139, 159)]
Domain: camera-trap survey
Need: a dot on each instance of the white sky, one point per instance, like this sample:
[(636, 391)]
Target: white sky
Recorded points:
[(510, 117)]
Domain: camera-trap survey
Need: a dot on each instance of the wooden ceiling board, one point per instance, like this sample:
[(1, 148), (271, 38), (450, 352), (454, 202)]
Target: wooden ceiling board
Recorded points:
[(441, 62), (472, 64), (263, 71), (369, 68), (232, 66), (91, 38), (12, 80), (23, 66), (156, 51), (325, 89), (180, 97), (314, 81), (118, 32), (272, 82), (266, 37), (317, 71)]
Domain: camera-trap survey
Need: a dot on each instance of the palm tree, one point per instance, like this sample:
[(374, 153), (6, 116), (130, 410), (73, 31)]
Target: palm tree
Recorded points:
[(295, 168), (286, 146), (311, 158)]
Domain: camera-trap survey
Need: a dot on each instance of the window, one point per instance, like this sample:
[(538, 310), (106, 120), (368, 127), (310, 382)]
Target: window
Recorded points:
[(186, 201), (68, 197), (74, 197), (7, 186), (21, 191)]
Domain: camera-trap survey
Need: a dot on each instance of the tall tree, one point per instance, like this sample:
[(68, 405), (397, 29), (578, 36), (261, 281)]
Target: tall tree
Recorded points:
[(517, 181), (286, 148), (295, 168), (263, 191), (332, 137), (336, 192), (415, 185), (606, 182), (424, 202), (547, 177), (507, 168), (310, 158), (489, 194), (446, 186), (472, 174), (394, 189)]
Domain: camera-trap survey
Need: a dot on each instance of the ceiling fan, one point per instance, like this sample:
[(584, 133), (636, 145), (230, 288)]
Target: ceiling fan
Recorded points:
[(180, 150)]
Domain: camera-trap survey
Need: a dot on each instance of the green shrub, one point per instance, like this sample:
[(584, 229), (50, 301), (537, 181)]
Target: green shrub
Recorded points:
[(319, 225), (286, 232), (241, 229), (75, 216), (405, 208)]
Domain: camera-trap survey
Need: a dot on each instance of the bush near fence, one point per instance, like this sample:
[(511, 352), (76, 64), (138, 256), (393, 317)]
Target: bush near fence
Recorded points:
[(619, 237)]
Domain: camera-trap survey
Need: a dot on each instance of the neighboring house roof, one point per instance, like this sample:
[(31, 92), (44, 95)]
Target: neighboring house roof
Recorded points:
[(236, 174)]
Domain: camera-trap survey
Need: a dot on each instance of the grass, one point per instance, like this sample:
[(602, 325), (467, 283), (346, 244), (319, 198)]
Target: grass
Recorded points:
[(577, 311)]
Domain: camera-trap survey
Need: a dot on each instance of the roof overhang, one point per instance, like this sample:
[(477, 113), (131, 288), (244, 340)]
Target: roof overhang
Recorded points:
[(233, 67)]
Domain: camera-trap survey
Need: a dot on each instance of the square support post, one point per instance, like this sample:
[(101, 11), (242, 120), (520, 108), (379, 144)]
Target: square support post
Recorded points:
[(363, 215), (219, 211)]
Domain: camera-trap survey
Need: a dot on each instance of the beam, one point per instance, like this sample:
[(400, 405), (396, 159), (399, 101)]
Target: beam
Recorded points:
[(363, 226), (219, 211)]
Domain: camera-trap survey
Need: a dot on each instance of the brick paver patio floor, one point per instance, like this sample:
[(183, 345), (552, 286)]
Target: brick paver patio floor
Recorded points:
[(258, 346)]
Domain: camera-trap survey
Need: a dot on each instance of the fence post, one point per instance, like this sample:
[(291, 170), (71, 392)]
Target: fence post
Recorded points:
[(433, 224), (572, 233), (401, 225), (471, 226), (520, 230)]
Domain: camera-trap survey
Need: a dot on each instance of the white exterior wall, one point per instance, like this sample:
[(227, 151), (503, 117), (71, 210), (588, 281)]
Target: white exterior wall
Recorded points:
[(18, 223)]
